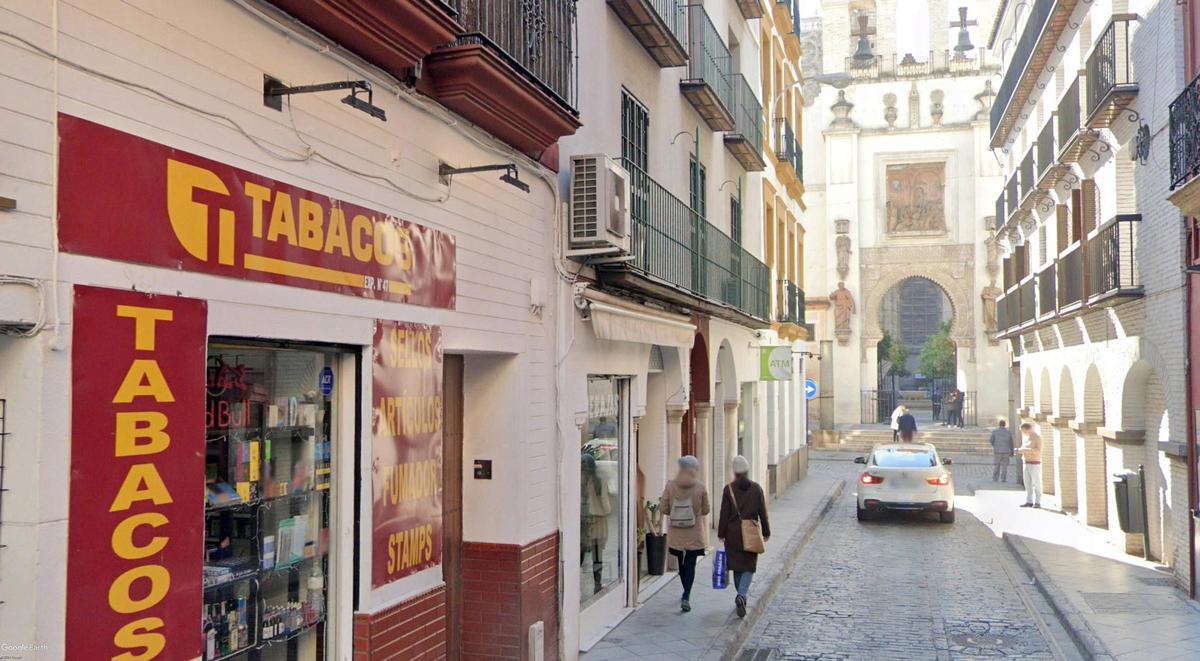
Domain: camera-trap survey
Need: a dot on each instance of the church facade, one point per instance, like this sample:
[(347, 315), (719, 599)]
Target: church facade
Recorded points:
[(900, 191)]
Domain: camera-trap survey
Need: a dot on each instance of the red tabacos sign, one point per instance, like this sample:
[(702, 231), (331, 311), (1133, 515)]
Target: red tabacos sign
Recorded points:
[(406, 456), (136, 526), (126, 198)]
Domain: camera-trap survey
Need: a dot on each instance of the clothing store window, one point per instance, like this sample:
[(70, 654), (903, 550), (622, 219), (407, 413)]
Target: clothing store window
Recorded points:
[(602, 484), (271, 431)]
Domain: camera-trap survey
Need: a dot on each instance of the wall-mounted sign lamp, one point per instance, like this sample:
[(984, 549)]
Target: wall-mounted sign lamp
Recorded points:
[(511, 175), (274, 90)]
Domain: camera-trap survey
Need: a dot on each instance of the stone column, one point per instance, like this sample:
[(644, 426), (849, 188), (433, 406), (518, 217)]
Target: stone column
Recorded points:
[(704, 450), (675, 413), (729, 439), (1091, 479), (1048, 463), (1065, 464)]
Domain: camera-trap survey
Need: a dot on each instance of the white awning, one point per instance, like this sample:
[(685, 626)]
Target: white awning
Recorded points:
[(619, 321)]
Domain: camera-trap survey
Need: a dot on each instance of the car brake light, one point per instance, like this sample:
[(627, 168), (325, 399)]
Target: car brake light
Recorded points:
[(940, 481), (867, 478)]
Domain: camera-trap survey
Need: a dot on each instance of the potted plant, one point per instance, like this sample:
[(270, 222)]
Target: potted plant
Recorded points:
[(656, 541)]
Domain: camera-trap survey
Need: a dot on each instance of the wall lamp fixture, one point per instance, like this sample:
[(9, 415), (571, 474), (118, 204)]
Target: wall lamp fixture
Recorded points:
[(511, 176), (274, 91)]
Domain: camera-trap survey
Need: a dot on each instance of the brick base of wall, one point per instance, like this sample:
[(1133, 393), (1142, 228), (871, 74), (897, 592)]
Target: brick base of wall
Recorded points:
[(414, 629), (507, 588)]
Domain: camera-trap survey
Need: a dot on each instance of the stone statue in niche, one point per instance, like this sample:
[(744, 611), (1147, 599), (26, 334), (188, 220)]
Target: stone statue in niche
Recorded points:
[(916, 198), (843, 307), (988, 296), (842, 245), (935, 106)]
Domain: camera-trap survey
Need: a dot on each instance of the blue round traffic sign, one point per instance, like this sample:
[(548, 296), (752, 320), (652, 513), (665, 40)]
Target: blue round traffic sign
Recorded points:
[(810, 389)]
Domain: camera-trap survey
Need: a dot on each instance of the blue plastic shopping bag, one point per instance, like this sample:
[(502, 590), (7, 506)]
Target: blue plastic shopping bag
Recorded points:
[(720, 574)]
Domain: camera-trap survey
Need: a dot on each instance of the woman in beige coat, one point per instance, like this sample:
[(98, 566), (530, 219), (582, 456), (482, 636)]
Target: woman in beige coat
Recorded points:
[(685, 502)]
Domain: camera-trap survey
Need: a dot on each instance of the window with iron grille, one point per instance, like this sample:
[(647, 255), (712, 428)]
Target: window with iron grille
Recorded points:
[(635, 131)]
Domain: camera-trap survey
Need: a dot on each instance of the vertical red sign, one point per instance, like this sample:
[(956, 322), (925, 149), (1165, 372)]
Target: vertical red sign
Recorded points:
[(406, 458), (136, 527)]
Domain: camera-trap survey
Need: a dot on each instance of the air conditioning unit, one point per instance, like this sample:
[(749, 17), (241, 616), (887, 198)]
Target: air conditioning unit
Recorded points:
[(599, 220)]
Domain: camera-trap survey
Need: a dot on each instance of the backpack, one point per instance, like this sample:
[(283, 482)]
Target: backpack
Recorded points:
[(683, 512)]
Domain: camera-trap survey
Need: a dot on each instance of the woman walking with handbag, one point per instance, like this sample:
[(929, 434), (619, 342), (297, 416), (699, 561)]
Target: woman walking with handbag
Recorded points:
[(685, 500), (743, 528)]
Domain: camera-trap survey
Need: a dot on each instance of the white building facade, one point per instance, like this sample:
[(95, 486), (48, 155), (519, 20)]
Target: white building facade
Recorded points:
[(1094, 305), (901, 180), (664, 334)]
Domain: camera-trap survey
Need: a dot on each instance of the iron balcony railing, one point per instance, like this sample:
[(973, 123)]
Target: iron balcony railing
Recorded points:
[(787, 147), (708, 57), (747, 112), (789, 302), (674, 243), (904, 66), (1047, 285), (1112, 258), (1035, 25), (1027, 172), (1185, 134), (1000, 213), (1108, 66), (1070, 277), (672, 13), (1047, 149), (1012, 197), (536, 36), (1027, 293), (1068, 116), (1002, 318)]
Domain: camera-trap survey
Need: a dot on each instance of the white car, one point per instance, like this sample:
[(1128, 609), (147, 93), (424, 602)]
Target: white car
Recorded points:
[(905, 477)]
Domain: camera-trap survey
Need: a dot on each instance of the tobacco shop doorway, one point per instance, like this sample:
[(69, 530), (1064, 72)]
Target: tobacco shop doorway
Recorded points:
[(276, 418)]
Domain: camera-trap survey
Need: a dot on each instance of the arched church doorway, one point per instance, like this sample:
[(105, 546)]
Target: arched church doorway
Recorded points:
[(916, 316)]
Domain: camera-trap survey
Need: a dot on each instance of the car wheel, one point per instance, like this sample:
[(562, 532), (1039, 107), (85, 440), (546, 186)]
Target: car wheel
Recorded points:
[(863, 515), (947, 517)]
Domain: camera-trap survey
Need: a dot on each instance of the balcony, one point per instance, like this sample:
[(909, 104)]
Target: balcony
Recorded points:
[(1000, 211), (1027, 301), (789, 304), (1185, 149), (1012, 197), (1074, 137), (1110, 85), (751, 8), (1027, 175), (1070, 279), (746, 140), (708, 85), (394, 35), (789, 157), (660, 26), (1049, 171), (679, 256), (512, 70), (1047, 285), (787, 21), (1112, 261)]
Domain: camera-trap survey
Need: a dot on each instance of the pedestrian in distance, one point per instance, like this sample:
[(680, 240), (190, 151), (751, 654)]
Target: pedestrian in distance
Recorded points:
[(906, 424), (1002, 451), (1031, 453), (743, 528), (685, 500), (956, 397), (896, 413)]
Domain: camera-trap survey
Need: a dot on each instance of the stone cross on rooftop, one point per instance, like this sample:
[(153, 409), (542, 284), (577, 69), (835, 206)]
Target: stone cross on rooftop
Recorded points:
[(962, 22)]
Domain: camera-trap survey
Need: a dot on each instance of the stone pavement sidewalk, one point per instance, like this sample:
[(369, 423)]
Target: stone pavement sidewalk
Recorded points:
[(1114, 609), (712, 631)]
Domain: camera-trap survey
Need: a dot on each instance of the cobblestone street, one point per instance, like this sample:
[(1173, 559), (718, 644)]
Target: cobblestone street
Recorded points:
[(904, 587)]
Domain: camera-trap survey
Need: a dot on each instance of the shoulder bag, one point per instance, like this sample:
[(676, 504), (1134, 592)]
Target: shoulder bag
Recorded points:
[(752, 539)]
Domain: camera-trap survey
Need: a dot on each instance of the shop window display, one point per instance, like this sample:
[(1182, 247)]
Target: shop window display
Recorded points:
[(602, 483), (268, 477)]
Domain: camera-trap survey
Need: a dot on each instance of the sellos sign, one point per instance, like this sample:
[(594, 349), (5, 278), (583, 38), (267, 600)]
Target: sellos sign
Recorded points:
[(126, 198), (406, 450), (136, 522)]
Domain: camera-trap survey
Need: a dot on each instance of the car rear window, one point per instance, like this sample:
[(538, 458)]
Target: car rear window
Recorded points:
[(903, 458)]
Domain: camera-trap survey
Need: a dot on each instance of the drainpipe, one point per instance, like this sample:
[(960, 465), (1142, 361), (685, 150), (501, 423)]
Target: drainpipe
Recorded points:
[(1189, 397)]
